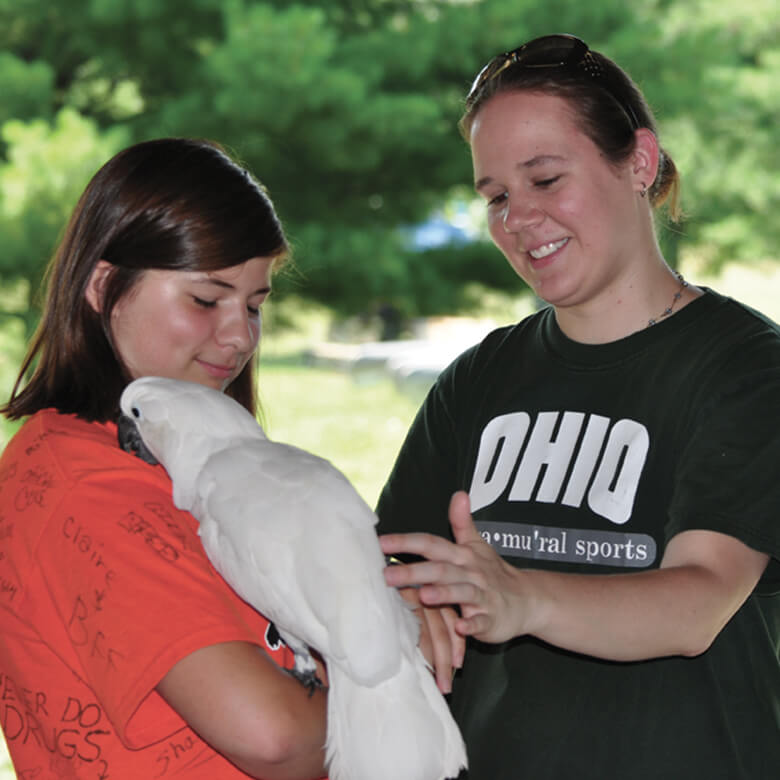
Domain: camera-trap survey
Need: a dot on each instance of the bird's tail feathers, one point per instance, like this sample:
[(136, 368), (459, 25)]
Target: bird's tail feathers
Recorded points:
[(401, 728)]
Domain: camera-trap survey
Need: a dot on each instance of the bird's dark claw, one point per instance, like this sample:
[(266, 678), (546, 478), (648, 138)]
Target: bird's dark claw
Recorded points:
[(308, 680)]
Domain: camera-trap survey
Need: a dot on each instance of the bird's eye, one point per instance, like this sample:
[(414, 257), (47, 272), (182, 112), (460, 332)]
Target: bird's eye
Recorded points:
[(136, 412)]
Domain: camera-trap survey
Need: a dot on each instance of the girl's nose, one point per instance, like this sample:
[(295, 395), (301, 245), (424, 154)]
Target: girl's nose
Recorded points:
[(240, 331)]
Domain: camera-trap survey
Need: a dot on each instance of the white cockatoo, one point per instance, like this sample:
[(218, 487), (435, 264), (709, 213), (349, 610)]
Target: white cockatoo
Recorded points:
[(294, 539)]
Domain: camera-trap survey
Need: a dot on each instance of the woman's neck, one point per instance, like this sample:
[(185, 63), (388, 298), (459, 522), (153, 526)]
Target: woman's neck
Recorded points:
[(631, 303)]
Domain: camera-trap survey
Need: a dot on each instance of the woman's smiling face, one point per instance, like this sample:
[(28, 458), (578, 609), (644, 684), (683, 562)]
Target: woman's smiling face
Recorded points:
[(192, 325), (562, 215)]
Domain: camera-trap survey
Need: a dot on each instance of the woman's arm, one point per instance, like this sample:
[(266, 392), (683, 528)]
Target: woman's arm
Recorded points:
[(676, 610), (250, 710)]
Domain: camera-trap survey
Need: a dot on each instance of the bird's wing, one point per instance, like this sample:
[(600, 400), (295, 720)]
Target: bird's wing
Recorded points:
[(295, 540)]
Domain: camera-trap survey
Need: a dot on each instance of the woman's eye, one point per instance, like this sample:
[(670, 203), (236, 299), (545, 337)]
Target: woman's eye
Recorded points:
[(494, 201), (254, 311), (204, 303), (547, 182)]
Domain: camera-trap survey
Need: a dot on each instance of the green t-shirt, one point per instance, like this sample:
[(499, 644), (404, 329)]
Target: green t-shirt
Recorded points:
[(589, 458)]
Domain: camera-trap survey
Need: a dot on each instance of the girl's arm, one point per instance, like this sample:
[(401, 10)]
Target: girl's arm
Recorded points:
[(250, 710)]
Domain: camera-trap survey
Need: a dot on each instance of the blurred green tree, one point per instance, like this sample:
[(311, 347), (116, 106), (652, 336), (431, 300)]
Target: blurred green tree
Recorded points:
[(347, 111), (47, 167)]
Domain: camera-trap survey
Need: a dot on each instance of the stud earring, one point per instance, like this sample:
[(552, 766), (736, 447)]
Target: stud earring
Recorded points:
[(643, 191)]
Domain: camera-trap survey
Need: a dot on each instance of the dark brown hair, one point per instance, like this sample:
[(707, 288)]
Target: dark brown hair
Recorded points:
[(608, 107), (173, 204)]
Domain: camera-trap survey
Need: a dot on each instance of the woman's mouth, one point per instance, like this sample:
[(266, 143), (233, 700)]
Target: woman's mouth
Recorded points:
[(545, 250)]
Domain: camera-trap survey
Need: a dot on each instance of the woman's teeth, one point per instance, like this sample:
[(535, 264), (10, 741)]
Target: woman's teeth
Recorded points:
[(546, 249)]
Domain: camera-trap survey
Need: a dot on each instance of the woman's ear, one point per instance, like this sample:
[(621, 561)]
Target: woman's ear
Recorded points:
[(96, 285), (644, 159)]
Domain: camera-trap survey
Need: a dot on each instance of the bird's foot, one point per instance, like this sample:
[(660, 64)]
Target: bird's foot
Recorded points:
[(305, 668), (308, 679)]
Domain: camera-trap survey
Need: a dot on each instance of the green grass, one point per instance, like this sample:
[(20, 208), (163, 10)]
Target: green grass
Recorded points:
[(6, 770), (358, 427)]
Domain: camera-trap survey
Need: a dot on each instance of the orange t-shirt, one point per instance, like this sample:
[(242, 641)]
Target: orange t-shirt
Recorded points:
[(104, 586)]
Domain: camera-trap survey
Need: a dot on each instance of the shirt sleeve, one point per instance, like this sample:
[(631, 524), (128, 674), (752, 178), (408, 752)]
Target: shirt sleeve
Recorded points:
[(144, 597), (728, 477), (417, 493)]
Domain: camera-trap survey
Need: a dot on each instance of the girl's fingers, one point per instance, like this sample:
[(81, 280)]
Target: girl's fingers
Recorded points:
[(441, 647), (457, 642)]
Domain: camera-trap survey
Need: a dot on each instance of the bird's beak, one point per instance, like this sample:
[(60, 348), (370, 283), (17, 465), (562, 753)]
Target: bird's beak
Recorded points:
[(130, 440)]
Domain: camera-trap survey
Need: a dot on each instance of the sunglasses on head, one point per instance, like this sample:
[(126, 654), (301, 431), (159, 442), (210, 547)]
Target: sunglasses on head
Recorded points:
[(550, 51)]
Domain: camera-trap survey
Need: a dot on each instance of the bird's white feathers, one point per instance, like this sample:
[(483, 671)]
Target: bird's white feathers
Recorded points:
[(294, 539)]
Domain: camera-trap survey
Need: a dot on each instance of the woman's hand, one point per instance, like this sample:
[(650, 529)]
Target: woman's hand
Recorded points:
[(468, 573), (677, 609)]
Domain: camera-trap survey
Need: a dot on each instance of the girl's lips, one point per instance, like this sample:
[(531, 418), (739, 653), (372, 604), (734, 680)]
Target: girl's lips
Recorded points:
[(220, 372)]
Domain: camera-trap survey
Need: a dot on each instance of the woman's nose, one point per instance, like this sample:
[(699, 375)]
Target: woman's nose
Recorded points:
[(520, 214)]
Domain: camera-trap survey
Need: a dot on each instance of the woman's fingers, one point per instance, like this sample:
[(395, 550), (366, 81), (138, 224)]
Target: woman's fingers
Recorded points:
[(474, 626), (461, 521), (468, 573), (437, 548), (413, 575), (426, 545)]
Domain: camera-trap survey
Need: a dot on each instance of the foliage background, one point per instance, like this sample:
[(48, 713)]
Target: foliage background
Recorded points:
[(347, 110)]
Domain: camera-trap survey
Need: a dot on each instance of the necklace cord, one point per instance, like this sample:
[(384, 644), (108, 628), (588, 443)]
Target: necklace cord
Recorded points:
[(668, 310)]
